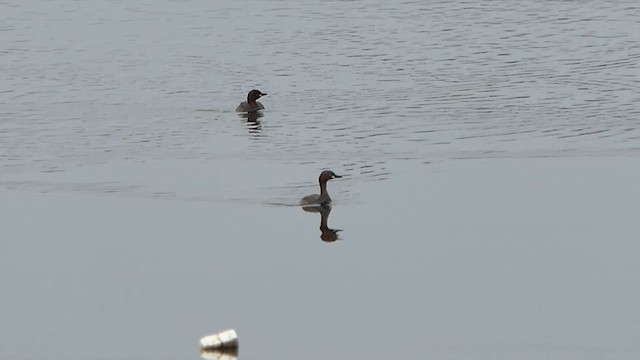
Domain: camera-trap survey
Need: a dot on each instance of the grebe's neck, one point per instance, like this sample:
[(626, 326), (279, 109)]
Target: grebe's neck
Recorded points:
[(323, 187)]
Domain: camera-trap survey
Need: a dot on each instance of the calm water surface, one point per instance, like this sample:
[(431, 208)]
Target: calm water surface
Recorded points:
[(490, 153)]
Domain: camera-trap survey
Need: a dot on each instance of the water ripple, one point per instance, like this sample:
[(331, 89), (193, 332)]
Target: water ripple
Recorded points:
[(353, 84)]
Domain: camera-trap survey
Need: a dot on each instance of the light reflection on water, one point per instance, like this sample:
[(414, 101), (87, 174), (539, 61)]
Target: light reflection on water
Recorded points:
[(224, 354)]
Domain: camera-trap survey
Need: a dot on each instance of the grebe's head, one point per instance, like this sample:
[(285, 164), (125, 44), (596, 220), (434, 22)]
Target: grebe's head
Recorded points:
[(254, 95), (328, 175)]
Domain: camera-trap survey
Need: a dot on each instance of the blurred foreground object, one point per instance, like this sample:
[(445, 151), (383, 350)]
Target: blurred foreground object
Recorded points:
[(227, 339)]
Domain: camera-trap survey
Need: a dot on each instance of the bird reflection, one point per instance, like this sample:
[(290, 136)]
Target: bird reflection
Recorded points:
[(220, 354), (328, 235), (253, 121)]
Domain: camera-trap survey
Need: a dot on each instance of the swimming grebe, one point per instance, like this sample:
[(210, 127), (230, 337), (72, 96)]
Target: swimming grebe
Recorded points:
[(324, 197), (251, 105)]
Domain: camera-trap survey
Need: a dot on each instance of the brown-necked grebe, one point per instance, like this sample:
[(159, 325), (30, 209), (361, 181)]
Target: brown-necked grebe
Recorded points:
[(252, 104), (323, 198)]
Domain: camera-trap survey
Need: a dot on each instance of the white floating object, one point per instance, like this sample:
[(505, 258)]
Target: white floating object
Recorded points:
[(225, 339)]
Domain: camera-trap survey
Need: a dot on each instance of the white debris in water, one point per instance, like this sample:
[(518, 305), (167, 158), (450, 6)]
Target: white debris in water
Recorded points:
[(224, 339)]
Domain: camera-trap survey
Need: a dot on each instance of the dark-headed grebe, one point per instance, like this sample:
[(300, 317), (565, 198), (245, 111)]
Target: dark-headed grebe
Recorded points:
[(324, 197), (251, 105)]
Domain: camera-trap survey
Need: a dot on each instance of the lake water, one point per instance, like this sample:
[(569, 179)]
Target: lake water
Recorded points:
[(488, 210)]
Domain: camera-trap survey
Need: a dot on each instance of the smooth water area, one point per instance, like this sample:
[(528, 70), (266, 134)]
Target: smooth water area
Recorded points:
[(488, 209)]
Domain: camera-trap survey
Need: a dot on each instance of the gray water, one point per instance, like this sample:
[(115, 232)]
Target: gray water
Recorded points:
[(488, 209)]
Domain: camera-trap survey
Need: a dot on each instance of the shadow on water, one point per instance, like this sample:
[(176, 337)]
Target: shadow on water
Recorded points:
[(253, 122), (327, 234)]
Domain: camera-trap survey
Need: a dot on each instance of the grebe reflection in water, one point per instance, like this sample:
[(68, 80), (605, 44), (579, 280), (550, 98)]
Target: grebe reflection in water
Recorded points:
[(327, 234), (252, 121)]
